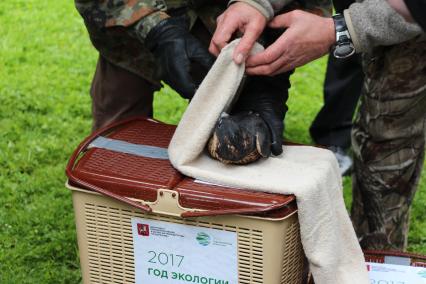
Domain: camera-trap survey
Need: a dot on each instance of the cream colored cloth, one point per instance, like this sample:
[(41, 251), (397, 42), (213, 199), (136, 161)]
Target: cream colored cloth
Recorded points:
[(311, 174)]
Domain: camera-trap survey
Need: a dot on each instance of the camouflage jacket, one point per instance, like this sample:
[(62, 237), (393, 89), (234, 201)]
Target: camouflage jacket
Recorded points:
[(118, 28)]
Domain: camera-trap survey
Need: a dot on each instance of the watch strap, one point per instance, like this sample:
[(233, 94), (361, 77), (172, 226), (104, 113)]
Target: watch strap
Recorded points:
[(344, 46)]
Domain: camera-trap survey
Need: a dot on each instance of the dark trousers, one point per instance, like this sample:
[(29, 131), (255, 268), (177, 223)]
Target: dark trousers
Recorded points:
[(118, 94), (342, 89)]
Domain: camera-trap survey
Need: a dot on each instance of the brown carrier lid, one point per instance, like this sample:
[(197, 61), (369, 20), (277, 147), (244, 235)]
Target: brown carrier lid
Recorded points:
[(126, 174), (129, 160)]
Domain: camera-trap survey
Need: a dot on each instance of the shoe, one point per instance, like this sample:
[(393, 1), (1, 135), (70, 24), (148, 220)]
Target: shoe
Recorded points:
[(344, 160)]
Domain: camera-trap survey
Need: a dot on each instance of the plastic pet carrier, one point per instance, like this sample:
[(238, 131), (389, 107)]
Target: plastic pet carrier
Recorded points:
[(125, 191)]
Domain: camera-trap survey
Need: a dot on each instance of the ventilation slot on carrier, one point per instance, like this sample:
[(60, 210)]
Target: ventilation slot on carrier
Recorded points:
[(292, 271)]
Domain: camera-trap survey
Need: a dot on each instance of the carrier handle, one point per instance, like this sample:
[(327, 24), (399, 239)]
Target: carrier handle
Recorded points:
[(382, 253), (245, 210), (83, 147)]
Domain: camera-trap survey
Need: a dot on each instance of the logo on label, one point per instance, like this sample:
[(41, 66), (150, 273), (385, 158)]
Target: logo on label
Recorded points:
[(203, 239), (143, 230)]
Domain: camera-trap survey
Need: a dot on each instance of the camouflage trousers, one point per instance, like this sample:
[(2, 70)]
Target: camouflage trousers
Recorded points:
[(388, 141)]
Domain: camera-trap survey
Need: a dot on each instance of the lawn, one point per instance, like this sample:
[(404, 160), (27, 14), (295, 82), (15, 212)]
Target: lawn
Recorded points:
[(46, 65)]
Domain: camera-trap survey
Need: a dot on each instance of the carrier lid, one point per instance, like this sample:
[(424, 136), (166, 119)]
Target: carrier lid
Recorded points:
[(128, 161)]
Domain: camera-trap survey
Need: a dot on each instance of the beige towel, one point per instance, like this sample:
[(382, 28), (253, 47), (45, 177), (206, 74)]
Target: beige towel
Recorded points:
[(311, 174)]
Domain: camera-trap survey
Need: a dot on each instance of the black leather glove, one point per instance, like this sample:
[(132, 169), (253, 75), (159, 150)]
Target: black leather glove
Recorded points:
[(175, 50), (267, 96)]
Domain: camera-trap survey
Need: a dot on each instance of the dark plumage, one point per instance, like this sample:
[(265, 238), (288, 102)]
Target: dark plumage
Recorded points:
[(240, 138)]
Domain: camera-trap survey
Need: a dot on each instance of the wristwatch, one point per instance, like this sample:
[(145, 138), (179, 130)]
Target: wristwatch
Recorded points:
[(343, 47)]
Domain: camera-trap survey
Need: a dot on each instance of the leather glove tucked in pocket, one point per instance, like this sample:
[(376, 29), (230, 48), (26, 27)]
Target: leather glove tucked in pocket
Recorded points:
[(175, 50)]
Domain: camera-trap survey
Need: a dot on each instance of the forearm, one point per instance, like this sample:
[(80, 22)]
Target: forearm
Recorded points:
[(401, 8), (375, 23), (267, 7)]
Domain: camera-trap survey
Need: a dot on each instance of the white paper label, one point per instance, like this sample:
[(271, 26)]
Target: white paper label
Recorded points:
[(175, 253), (395, 274)]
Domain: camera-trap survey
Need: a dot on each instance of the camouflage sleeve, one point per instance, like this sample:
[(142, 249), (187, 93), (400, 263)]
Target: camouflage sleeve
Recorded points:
[(125, 13), (147, 23), (142, 15), (374, 23)]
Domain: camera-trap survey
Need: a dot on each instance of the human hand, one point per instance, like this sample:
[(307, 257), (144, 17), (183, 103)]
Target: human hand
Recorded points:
[(175, 49), (307, 38), (238, 17)]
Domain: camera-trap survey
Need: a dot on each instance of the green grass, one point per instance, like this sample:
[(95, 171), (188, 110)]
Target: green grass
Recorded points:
[(46, 65)]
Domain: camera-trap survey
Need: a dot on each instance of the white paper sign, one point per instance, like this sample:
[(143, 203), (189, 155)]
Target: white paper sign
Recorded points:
[(395, 274), (174, 253)]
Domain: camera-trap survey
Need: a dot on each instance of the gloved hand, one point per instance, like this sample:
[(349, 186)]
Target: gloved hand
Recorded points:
[(267, 97), (175, 49)]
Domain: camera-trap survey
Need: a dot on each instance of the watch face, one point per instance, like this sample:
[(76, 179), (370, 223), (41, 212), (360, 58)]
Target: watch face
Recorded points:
[(344, 50)]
